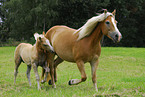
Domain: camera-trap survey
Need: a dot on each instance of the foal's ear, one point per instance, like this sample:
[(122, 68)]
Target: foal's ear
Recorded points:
[(114, 12), (43, 33)]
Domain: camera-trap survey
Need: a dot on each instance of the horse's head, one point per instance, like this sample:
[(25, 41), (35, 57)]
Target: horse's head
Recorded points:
[(43, 42), (109, 27)]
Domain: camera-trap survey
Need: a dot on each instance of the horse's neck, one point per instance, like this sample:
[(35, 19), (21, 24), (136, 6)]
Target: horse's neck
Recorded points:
[(96, 36)]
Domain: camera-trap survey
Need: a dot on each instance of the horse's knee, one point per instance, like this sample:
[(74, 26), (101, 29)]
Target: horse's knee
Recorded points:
[(84, 79)]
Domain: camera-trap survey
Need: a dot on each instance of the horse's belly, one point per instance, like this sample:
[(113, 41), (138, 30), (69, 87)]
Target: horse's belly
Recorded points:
[(65, 55)]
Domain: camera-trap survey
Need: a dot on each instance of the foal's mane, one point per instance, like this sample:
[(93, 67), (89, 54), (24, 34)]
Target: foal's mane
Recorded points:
[(89, 26)]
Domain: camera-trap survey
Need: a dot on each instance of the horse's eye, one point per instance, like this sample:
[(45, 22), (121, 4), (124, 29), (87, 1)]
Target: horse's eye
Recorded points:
[(107, 22)]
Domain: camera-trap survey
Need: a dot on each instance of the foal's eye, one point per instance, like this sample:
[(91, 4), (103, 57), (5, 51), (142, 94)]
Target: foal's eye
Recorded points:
[(44, 45), (107, 22)]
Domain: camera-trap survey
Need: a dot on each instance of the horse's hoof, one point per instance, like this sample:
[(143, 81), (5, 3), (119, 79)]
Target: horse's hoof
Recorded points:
[(49, 82), (69, 83)]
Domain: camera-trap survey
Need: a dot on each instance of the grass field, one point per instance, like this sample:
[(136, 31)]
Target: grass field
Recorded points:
[(121, 72)]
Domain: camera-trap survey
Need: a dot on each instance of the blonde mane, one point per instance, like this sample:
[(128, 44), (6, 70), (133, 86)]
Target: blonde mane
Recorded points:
[(89, 26)]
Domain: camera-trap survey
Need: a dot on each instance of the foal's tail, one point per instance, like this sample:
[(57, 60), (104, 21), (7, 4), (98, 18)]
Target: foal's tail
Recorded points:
[(18, 60), (17, 54)]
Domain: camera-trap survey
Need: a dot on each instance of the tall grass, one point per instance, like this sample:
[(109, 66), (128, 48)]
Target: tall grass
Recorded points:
[(121, 72)]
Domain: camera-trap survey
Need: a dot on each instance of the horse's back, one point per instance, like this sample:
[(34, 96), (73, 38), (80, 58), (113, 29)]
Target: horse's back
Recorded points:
[(57, 31)]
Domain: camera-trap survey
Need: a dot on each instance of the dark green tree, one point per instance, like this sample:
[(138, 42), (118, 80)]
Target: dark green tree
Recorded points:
[(26, 17)]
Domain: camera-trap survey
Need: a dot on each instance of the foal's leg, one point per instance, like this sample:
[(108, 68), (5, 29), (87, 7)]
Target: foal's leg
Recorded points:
[(28, 73), (37, 75), (81, 68), (17, 64), (45, 70), (94, 65), (42, 75)]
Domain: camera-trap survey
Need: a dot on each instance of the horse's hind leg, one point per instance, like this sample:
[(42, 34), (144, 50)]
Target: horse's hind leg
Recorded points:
[(56, 63), (28, 73), (17, 64)]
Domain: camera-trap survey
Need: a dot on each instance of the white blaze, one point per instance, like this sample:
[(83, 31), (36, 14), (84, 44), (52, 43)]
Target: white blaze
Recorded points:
[(115, 26)]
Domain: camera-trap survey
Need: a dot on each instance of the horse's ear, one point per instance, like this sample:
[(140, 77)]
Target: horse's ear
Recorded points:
[(43, 33), (114, 12)]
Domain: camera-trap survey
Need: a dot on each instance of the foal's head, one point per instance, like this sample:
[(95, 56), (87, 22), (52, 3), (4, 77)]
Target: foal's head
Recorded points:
[(43, 43), (109, 27)]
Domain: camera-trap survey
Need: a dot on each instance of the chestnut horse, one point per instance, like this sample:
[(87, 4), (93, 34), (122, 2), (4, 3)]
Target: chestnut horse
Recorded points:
[(83, 45), (33, 55)]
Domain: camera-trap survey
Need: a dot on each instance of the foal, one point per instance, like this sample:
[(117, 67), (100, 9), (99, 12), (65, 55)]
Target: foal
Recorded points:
[(34, 56)]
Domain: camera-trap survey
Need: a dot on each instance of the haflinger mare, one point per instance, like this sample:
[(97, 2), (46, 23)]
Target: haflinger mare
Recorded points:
[(34, 55), (83, 45)]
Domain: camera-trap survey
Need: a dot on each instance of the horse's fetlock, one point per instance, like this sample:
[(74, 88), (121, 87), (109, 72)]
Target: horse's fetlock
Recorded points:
[(84, 79)]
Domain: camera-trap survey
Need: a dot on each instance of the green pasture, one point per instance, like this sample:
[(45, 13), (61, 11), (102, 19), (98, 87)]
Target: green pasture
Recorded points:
[(121, 72)]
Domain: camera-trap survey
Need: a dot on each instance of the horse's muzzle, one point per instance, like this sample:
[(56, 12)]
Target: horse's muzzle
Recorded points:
[(115, 37)]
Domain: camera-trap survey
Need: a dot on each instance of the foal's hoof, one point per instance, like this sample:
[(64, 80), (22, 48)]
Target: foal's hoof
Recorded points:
[(49, 82), (42, 82)]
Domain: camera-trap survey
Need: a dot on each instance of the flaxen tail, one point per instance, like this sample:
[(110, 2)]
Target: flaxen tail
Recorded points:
[(18, 60)]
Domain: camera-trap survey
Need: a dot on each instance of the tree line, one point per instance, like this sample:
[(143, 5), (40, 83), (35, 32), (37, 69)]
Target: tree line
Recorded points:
[(20, 19)]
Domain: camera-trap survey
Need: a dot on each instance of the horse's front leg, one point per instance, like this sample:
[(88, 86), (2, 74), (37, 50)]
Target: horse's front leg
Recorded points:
[(81, 68), (94, 65), (36, 74)]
